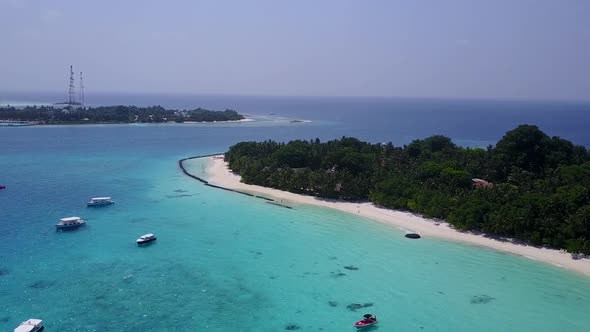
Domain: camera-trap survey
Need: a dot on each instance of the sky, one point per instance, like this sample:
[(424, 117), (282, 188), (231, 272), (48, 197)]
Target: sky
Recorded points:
[(500, 49)]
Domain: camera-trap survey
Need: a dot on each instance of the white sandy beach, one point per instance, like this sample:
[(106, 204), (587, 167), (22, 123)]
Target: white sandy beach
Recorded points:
[(219, 174), (228, 121)]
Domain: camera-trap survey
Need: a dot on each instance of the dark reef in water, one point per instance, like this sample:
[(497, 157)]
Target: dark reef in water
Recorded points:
[(4, 319), (351, 267), (256, 254), (4, 272), (41, 284), (357, 306), (103, 295), (333, 303), (481, 299), (292, 327), (337, 274), (178, 196)]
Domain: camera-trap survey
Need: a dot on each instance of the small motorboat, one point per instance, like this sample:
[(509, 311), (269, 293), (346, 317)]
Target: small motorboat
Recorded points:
[(369, 320), (147, 238), (412, 235), (30, 325)]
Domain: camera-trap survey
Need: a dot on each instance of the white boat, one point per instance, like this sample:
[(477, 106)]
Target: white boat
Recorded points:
[(146, 238), (31, 325), (70, 222), (100, 201)]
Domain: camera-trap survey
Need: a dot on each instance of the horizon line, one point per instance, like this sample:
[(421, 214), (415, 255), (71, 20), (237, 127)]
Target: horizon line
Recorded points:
[(441, 98)]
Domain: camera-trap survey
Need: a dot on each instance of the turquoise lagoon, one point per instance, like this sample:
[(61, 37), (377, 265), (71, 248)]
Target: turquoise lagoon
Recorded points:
[(229, 262)]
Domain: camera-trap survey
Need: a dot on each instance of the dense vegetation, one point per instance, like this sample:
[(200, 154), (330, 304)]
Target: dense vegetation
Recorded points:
[(538, 190), (113, 114)]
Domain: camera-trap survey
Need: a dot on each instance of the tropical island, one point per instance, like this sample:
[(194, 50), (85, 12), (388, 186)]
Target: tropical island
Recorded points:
[(529, 187), (113, 114)]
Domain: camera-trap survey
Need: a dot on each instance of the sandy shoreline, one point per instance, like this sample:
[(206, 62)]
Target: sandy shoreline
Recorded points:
[(34, 123), (228, 121), (219, 174)]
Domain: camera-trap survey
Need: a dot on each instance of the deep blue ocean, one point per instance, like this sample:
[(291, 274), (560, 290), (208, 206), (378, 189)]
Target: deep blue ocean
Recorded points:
[(399, 120), (228, 262)]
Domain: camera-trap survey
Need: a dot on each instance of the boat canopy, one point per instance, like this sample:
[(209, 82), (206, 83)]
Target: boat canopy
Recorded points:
[(147, 235), (24, 328), (101, 198), (28, 326), (70, 219)]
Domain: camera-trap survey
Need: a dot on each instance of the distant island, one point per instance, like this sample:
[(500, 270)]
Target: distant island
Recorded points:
[(113, 114), (528, 187)]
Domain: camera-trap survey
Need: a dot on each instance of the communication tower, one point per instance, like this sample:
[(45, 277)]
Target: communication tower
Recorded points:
[(71, 90), (81, 90)]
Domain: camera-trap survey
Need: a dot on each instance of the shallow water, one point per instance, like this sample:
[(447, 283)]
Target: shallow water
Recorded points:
[(229, 262)]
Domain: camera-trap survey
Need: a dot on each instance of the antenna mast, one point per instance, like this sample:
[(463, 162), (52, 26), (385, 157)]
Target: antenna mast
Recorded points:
[(72, 97), (81, 90)]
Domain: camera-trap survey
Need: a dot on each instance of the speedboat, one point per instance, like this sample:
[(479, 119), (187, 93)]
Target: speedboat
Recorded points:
[(369, 320), (70, 222), (31, 325), (100, 201), (146, 238)]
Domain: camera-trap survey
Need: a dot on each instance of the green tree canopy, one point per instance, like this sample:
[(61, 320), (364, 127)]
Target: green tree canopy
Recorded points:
[(538, 187)]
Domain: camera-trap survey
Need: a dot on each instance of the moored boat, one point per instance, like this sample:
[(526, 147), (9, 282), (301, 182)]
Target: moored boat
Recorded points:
[(70, 222), (412, 235), (369, 320), (30, 325), (2, 186), (100, 201), (147, 238)]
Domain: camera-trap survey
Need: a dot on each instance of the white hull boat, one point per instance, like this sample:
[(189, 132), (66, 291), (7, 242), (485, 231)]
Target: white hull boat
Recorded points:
[(70, 223), (100, 201), (30, 325), (147, 238)]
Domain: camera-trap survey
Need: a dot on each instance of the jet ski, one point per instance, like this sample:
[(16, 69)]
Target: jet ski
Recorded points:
[(368, 320)]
